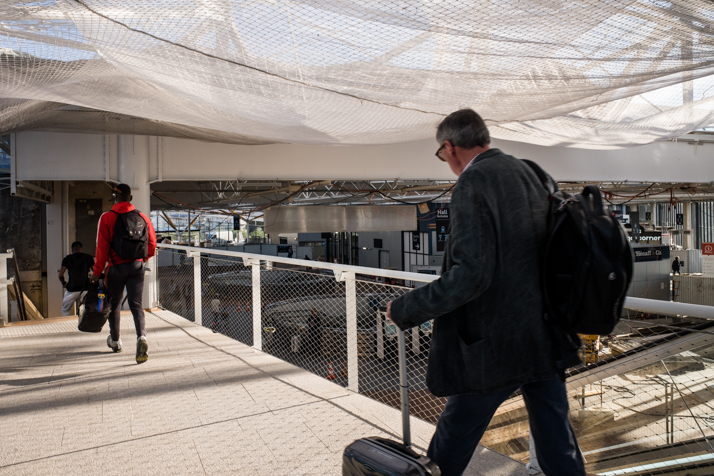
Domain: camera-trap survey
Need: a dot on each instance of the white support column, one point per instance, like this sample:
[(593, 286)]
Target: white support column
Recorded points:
[(4, 310), (257, 311), (133, 169), (352, 345), (56, 246), (197, 301)]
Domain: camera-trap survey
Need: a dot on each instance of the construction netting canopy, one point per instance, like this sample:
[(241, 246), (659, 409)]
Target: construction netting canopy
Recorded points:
[(584, 73)]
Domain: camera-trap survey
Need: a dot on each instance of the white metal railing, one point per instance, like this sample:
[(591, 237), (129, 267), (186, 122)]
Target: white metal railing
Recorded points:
[(248, 297), (341, 273), (336, 268), (346, 274)]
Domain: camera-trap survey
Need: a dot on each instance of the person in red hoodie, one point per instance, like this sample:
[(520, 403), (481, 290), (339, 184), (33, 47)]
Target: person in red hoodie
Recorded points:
[(121, 272)]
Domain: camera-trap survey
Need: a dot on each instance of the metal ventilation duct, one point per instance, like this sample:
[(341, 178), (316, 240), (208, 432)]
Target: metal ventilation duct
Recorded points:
[(322, 219)]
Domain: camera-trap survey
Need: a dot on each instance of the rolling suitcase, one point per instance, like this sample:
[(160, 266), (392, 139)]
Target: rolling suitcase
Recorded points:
[(374, 456), (94, 309)]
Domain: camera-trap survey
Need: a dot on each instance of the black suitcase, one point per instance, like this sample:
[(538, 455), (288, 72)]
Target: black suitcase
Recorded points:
[(95, 309), (375, 456)]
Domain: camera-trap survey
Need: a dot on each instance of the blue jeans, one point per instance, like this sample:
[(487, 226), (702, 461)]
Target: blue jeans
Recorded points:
[(465, 418)]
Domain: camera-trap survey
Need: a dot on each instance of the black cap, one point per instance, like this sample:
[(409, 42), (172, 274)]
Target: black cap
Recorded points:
[(122, 189), (77, 243)]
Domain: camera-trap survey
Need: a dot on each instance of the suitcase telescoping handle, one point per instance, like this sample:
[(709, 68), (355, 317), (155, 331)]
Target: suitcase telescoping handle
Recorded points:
[(403, 382)]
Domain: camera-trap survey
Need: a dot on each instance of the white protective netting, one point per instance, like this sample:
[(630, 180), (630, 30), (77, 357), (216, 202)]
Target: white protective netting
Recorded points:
[(588, 73)]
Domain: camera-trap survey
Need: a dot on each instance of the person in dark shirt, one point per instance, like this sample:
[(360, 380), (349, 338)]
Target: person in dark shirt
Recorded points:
[(676, 265), (77, 265)]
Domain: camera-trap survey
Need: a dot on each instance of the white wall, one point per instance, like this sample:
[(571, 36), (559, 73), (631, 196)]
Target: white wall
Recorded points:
[(391, 241), (696, 290), (651, 279)]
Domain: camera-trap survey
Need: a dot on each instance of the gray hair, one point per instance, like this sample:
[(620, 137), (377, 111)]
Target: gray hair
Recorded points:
[(463, 128)]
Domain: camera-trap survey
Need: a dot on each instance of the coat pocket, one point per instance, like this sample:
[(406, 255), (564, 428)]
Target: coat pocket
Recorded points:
[(475, 359)]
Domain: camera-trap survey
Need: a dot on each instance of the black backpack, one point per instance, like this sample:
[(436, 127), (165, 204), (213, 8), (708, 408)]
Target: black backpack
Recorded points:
[(587, 262), (131, 236)]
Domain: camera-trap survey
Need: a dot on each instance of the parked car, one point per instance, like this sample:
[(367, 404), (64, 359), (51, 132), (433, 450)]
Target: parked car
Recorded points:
[(276, 284), (289, 325)]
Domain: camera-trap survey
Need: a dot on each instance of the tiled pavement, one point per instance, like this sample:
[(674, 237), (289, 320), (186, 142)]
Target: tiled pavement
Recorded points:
[(202, 404)]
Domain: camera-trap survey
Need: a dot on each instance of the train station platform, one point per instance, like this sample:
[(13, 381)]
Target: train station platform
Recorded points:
[(203, 404)]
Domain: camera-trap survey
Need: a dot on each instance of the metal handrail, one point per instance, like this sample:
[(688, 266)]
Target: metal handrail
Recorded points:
[(637, 304), (337, 268)]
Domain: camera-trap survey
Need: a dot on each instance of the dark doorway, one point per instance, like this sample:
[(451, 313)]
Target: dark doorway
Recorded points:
[(86, 217), (383, 259)]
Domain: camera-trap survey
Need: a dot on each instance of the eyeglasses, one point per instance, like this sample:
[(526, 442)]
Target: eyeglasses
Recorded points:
[(438, 152)]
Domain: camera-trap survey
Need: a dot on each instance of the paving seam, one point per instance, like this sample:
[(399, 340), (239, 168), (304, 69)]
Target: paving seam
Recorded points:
[(328, 400), (144, 437), (112, 374), (58, 380), (190, 325)]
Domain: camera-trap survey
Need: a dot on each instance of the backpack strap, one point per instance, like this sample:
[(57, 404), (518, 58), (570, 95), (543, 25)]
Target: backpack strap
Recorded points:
[(112, 243), (567, 343), (548, 183), (595, 199)]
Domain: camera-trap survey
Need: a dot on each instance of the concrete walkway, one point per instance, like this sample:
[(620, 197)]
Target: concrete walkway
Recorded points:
[(202, 404)]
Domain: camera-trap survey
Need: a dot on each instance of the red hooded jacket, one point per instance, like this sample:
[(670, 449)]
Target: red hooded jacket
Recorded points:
[(105, 235)]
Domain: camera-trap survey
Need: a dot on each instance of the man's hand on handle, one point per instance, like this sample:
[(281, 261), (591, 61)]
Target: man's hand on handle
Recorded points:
[(94, 278)]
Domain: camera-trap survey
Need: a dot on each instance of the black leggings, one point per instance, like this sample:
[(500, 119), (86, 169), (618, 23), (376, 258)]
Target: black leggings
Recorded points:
[(130, 275)]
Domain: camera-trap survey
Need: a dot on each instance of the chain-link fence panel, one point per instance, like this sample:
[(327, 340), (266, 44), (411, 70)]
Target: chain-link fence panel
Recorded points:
[(304, 319), (175, 282), (227, 297), (378, 361)]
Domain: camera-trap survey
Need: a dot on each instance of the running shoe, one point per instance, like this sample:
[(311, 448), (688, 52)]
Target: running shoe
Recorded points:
[(115, 345), (142, 350)]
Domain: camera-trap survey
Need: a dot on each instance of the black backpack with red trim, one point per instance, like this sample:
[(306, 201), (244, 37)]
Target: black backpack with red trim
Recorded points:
[(131, 236)]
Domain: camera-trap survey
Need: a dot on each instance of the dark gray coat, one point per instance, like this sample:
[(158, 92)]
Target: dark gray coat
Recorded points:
[(487, 306)]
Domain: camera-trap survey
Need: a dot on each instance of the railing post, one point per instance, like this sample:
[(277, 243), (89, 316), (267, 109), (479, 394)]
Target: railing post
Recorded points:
[(4, 311), (152, 275), (352, 345), (257, 326), (196, 255)]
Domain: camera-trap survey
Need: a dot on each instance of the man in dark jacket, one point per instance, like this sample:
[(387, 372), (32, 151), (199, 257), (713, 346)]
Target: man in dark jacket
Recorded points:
[(676, 266), (123, 272), (489, 338)]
